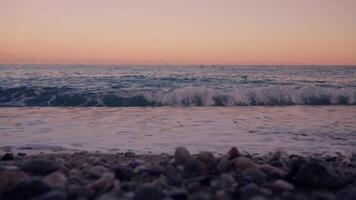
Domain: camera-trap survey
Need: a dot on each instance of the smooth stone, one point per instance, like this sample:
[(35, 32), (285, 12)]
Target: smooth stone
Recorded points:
[(124, 173), (254, 176), (208, 159), (323, 195), (56, 180), (75, 191), (104, 183), (224, 165), (181, 154), (272, 171), (21, 154), (9, 178), (199, 196), (233, 153), (242, 164), (52, 195), (312, 175), (97, 171), (348, 193), (29, 188), (225, 182), (40, 166), (148, 193), (7, 157), (251, 190), (281, 185), (178, 194), (193, 166)]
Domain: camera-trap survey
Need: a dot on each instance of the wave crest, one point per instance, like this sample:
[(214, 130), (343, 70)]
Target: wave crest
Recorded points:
[(187, 96)]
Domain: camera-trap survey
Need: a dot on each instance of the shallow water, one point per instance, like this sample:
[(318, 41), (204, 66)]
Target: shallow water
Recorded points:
[(294, 129)]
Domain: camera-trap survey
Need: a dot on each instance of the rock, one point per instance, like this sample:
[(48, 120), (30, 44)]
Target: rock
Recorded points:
[(272, 171), (56, 180), (348, 193), (251, 191), (208, 159), (40, 166), (199, 196), (27, 189), (21, 154), (97, 171), (104, 183), (178, 194), (242, 164), (75, 191), (254, 176), (124, 173), (312, 175), (181, 155), (52, 195), (148, 193), (233, 153), (7, 156), (224, 182), (224, 165), (281, 185), (193, 166), (323, 195), (258, 197), (9, 178)]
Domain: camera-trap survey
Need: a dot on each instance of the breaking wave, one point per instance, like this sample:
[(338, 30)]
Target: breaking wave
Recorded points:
[(187, 96)]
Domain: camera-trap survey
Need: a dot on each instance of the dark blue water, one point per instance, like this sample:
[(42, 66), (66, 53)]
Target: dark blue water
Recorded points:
[(124, 86)]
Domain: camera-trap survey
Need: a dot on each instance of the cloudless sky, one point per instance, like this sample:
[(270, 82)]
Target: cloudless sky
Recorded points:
[(178, 31)]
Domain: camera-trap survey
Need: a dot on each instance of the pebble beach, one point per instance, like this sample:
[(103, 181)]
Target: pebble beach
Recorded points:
[(179, 175)]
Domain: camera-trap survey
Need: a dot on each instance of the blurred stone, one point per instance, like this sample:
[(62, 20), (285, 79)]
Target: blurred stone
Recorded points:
[(56, 180), (208, 159), (242, 164), (40, 166), (181, 154)]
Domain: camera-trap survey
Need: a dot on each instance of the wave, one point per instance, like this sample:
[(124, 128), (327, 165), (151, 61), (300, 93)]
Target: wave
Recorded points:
[(187, 96)]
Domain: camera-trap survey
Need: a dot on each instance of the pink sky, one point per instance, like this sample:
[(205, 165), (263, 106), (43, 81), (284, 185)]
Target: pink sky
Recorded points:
[(178, 31)]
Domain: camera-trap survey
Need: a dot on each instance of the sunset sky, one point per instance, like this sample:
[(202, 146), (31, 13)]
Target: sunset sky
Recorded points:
[(178, 31)]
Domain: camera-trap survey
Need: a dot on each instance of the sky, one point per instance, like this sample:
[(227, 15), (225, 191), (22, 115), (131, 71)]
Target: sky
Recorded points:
[(178, 31)]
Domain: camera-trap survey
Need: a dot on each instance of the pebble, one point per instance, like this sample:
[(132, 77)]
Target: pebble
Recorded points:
[(181, 154), (233, 153), (242, 164), (312, 175), (272, 171), (224, 165), (9, 178), (97, 171), (76, 191), (52, 195), (208, 159), (7, 157), (281, 185), (148, 193), (254, 175), (104, 183), (123, 173), (56, 180), (28, 188), (40, 166), (178, 194), (193, 166)]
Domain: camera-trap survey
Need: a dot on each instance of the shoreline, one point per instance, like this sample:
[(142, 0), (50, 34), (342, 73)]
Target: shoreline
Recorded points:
[(178, 175)]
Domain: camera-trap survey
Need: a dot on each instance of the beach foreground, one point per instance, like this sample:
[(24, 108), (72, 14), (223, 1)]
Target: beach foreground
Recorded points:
[(83, 175)]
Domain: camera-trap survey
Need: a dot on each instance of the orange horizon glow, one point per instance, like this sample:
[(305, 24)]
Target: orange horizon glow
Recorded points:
[(178, 32)]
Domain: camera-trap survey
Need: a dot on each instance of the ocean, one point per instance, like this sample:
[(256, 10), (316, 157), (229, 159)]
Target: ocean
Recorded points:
[(297, 109)]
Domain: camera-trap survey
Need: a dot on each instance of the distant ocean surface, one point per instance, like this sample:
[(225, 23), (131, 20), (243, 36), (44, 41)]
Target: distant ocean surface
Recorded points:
[(125, 86), (259, 109)]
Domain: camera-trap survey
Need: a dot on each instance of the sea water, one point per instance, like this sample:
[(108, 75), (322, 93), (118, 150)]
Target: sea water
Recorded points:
[(298, 109)]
